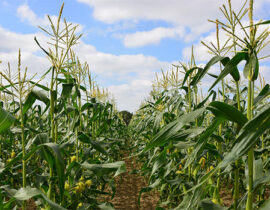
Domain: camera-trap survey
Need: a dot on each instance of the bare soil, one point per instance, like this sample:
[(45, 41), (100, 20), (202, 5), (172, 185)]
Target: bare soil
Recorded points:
[(128, 186), (226, 195)]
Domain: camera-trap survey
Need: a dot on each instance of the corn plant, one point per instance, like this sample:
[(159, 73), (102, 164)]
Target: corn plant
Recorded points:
[(61, 144), (211, 131), (65, 146)]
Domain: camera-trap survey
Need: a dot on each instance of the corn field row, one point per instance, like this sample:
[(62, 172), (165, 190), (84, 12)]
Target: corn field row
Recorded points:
[(61, 143)]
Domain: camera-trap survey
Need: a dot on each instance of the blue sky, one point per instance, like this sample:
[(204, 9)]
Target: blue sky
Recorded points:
[(125, 41)]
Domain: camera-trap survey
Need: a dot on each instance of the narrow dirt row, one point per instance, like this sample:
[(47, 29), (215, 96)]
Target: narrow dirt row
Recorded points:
[(128, 186)]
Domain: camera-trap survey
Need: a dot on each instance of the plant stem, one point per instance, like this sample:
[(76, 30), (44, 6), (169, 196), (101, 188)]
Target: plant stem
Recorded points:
[(52, 103), (55, 105), (189, 110), (236, 170), (52, 106), (22, 127), (189, 98), (251, 152), (216, 191), (249, 205)]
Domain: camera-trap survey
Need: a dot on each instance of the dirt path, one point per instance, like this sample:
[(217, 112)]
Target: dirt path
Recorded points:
[(128, 187)]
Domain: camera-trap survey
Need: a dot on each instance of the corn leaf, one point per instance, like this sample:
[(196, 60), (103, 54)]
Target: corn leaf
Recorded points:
[(6, 120), (101, 169), (228, 112), (203, 140), (173, 128), (230, 67), (203, 71), (248, 136), (209, 205), (253, 66), (32, 97), (28, 192), (97, 145), (263, 94)]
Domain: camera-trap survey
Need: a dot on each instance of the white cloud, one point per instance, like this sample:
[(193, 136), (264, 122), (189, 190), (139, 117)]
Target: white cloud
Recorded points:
[(10, 41), (133, 72), (117, 65), (26, 14), (189, 15), (142, 38), (175, 11), (181, 14), (132, 94)]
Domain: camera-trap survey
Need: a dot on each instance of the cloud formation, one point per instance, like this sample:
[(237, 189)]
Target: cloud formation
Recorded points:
[(27, 15), (142, 38), (188, 19)]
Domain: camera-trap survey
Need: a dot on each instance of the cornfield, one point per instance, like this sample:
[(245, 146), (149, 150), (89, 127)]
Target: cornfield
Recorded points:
[(64, 144)]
